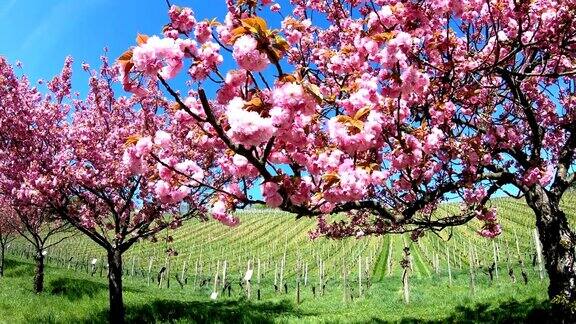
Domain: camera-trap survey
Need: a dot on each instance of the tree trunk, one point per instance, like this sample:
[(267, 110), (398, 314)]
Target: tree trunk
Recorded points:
[(39, 272), (2, 251), (558, 242), (115, 286)]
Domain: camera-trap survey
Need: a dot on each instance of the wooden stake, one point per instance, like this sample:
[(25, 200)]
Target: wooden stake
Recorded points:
[(538, 254), (448, 262), (282, 264), (195, 274), (321, 277), (248, 279), (405, 275), (215, 287), (151, 260), (344, 281), (276, 276), (389, 258), (298, 270), (133, 265), (224, 267), (471, 261), (183, 272), (359, 276), (495, 256)]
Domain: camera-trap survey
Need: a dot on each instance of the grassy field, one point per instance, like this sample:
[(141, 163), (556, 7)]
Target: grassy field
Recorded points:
[(362, 278), (73, 297)]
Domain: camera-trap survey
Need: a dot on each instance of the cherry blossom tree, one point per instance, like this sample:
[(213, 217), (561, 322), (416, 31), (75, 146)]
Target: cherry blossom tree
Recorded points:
[(31, 124), (381, 110), (86, 163), (109, 188)]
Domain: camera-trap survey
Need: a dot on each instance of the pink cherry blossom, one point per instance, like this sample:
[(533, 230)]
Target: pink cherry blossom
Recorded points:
[(247, 127), (248, 56)]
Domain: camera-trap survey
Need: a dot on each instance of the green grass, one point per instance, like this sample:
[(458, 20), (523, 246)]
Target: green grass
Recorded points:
[(267, 237), (72, 297)]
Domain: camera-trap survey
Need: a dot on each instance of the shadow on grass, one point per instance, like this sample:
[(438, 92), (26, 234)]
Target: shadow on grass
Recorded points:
[(511, 311), (205, 312), (74, 289), (14, 269), (172, 311)]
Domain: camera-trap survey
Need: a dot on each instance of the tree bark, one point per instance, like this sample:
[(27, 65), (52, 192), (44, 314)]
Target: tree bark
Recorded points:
[(117, 310), (2, 252), (558, 242), (39, 272)]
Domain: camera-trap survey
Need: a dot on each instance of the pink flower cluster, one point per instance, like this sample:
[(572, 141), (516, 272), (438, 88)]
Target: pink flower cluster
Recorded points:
[(271, 195), (491, 227), (167, 194), (135, 156), (359, 140), (539, 176), (490, 230), (207, 58), (247, 54), (247, 127), (293, 97), (158, 55), (182, 19), (219, 212)]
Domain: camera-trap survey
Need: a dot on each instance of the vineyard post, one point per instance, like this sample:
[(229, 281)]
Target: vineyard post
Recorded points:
[(359, 275), (306, 274), (517, 247), (538, 254), (102, 268), (298, 274), (437, 256), (510, 271), (406, 265), (344, 286), (367, 266), (520, 259), (405, 245), (476, 259), (168, 268), (183, 272), (389, 258), (471, 263), (248, 279), (133, 265), (69, 261), (282, 264), (195, 274), (150, 260), (200, 265), (162, 272), (215, 287), (448, 262), (321, 277), (258, 272), (224, 266), (495, 256), (276, 276)]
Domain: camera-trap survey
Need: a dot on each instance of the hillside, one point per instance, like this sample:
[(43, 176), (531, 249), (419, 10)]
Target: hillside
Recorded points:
[(449, 279), (274, 238)]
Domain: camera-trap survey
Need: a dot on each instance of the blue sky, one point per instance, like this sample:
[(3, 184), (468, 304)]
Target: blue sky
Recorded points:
[(41, 33)]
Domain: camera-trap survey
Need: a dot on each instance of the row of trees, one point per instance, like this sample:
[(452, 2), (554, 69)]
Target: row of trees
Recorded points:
[(379, 110)]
